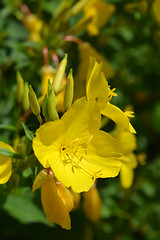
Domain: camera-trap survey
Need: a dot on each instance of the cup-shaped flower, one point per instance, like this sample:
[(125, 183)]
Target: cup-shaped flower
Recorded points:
[(75, 149), (97, 88), (5, 164), (57, 201)]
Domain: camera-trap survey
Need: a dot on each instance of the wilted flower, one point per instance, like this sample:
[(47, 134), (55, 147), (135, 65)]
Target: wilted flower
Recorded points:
[(57, 200), (75, 149)]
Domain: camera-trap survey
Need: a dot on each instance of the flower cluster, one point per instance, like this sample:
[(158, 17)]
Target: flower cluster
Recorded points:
[(70, 145)]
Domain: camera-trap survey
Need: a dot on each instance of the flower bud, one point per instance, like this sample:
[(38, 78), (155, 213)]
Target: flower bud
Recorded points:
[(20, 87), (52, 112), (57, 82), (33, 101), (92, 204), (69, 90), (25, 97), (45, 108)]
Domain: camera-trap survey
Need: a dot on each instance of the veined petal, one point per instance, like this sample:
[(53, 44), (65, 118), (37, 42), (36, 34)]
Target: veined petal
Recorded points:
[(97, 86), (5, 164), (80, 120), (126, 176), (75, 177), (117, 115), (53, 205)]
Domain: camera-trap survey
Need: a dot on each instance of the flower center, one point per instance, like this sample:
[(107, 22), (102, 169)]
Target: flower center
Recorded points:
[(73, 154)]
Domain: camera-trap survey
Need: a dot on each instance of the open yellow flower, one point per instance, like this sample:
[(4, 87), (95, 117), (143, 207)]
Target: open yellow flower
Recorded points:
[(75, 149), (129, 159), (97, 88), (5, 164), (57, 201)]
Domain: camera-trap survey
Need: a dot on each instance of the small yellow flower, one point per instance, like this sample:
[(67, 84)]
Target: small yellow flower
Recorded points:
[(75, 149), (97, 88), (57, 201), (5, 164)]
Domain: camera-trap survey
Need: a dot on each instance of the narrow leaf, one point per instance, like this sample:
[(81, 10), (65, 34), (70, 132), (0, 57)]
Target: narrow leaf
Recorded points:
[(28, 133)]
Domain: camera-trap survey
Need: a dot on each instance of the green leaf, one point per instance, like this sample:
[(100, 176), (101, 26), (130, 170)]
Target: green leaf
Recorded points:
[(9, 153), (7, 127), (28, 133), (24, 210)]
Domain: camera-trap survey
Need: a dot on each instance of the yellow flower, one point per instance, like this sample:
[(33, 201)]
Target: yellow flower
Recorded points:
[(85, 52), (129, 159), (99, 13), (57, 201), (75, 149), (97, 88), (5, 164)]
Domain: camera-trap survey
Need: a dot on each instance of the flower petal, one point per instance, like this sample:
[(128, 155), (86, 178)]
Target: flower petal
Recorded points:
[(5, 164), (97, 86), (126, 176), (82, 118), (117, 115), (53, 205)]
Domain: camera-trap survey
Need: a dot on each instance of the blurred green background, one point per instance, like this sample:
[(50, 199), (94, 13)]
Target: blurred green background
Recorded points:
[(130, 41)]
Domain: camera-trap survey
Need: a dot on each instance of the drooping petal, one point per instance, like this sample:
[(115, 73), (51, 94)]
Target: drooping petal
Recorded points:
[(117, 115), (126, 176), (5, 164), (53, 205), (82, 118), (40, 179)]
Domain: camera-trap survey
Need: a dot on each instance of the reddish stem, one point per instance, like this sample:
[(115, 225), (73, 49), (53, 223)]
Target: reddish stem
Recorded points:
[(24, 9), (45, 56), (70, 38), (55, 59), (48, 171)]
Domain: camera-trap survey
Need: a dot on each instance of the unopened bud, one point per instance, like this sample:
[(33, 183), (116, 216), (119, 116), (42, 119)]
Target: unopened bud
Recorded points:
[(45, 108), (21, 149), (92, 204), (33, 101), (57, 82), (69, 90), (52, 112), (20, 87), (25, 97)]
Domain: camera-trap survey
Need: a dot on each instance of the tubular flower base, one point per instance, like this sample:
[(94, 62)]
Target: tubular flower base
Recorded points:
[(98, 89), (57, 201), (5, 164), (75, 149)]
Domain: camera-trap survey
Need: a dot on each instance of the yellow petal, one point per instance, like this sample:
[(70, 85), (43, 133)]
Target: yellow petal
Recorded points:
[(45, 136), (126, 176), (82, 118), (97, 86), (66, 196), (53, 205), (156, 10), (116, 114), (40, 179), (5, 164)]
